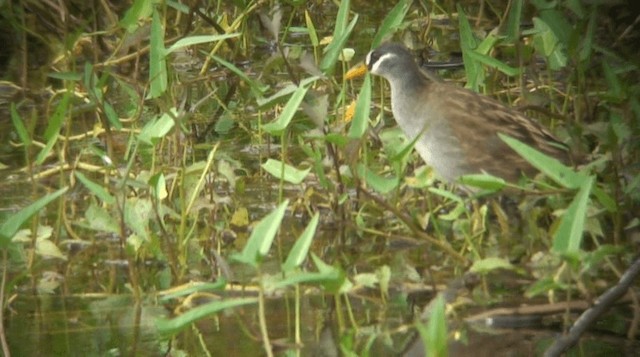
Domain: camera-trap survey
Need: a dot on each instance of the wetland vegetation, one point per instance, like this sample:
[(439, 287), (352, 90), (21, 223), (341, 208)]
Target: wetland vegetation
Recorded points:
[(199, 178)]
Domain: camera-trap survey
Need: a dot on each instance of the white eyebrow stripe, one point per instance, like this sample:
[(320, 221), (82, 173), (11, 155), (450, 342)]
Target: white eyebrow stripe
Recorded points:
[(385, 57), (367, 60)]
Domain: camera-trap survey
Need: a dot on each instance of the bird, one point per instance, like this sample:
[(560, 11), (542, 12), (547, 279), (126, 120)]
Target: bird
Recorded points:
[(457, 128)]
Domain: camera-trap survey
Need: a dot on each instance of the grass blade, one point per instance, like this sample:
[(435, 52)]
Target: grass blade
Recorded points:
[(9, 228)]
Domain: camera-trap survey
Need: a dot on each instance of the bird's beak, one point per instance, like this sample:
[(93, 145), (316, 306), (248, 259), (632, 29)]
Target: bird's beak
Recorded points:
[(357, 71)]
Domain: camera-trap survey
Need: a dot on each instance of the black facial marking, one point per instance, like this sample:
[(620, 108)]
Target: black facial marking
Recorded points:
[(375, 56)]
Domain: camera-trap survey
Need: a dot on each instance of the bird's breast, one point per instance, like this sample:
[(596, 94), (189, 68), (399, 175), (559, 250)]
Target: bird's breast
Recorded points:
[(437, 145)]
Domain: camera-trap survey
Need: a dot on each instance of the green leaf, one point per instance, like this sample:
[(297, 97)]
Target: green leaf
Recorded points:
[(446, 194), (381, 184), (391, 22), (257, 88), (547, 43), (486, 265), (551, 167), (47, 249), (334, 279), (360, 120), (19, 125), (542, 286), (337, 138), (168, 327), (196, 40), (53, 128), (157, 58), (112, 116), (313, 34), (435, 335), (568, 237), (555, 19), (261, 238), (614, 85), (300, 249), (468, 43), (158, 186), (191, 288), (99, 219), (486, 45), (137, 214), (288, 89), (329, 279), (95, 188), (483, 181), (287, 113), (605, 199), (65, 76), (285, 172), (587, 41), (594, 259), (341, 34), (493, 63), (141, 9), (9, 228), (157, 128), (513, 22), (341, 18)]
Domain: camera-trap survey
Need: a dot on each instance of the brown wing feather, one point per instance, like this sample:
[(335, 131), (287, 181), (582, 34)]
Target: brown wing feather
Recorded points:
[(477, 133)]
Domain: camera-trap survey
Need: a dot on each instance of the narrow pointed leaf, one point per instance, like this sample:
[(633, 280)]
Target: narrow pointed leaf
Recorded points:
[(287, 173), (391, 22), (301, 248), (360, 120), (568, 237), (169, 327), (261, 238), (157, 58), (287, 113), (9, 228)]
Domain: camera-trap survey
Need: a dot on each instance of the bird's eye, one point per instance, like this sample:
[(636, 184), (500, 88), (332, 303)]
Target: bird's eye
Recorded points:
[(372, 58), (375, 56)]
